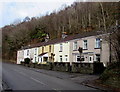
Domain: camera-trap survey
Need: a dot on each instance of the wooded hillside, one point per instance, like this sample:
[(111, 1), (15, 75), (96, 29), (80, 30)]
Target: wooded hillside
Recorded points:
[(77, 18)]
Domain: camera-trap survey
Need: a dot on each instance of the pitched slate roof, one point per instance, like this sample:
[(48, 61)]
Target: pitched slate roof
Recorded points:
[(59, 40)]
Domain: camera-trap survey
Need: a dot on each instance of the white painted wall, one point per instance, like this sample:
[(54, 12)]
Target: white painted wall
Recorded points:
[(35, 50), (25, 53), (32, 54), (20, 56), (65, 51)]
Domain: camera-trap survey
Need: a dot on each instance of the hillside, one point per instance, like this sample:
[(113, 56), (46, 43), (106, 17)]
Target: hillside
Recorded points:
[(77, 18), (111, 77)]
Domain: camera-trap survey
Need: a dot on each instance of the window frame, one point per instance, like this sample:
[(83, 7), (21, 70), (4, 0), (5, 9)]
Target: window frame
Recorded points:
[(75, 45), (27, 52), (97, 55), (61, 47), (97, 43), (66, 57), (85, 44), (35, 51), (50, 48), (61, 59)]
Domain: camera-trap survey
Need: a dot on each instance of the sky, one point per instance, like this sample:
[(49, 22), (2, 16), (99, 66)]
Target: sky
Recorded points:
[(13, 10)]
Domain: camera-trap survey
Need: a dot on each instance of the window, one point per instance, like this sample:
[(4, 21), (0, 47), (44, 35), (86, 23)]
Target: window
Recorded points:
[(61, 47), (66, 57), (38, 59), (35, 59), (42, 49), (22, 52), (49, 48), (45, 59), (98, 57), (75, 46), (90, 58), (27, 52), (97, 43), (85, 45), (60, 58), (35, 51), (41, 59), (78, 58)]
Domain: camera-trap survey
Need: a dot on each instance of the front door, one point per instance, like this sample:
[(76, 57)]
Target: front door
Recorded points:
[(91, 59)]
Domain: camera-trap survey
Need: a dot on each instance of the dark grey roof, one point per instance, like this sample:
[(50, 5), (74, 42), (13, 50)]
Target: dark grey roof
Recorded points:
[(59, 40)]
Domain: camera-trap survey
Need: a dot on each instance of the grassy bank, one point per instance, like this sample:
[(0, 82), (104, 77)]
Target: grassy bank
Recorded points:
[(110, 78)]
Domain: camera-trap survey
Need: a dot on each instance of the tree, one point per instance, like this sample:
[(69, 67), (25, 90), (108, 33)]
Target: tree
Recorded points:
[(115, 42)]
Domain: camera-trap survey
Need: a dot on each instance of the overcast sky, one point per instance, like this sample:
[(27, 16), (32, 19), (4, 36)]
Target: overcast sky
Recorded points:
[(12, 10)]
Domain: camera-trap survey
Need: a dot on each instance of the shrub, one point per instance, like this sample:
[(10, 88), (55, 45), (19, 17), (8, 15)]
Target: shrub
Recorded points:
[(26, 60)]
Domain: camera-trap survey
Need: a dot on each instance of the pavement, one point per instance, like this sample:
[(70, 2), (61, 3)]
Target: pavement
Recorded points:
[(19, 77), (76, 77)]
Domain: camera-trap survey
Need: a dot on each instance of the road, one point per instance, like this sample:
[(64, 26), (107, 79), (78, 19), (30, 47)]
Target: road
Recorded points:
[(22, 78)]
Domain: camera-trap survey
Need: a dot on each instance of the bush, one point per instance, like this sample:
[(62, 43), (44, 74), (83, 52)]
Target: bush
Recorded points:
[(26, 60), (111, 75)]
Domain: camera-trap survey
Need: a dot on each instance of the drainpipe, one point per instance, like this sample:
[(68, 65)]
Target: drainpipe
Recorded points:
[(100, 50), (110, 47)]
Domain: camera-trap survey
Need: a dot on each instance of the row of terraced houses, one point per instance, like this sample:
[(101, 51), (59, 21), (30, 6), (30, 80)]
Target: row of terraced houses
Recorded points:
[(65, 49)]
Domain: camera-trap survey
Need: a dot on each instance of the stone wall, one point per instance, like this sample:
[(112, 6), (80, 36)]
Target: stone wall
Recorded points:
[(86, 68)]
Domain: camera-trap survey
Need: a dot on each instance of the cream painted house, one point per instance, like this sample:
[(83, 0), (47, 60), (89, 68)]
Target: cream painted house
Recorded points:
[(65, 49), (20, 56), (46, 52), (62, 51), (91, 49), (94, 49)]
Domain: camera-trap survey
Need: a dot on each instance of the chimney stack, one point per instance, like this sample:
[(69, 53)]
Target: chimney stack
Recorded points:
[(47, 38), (64, 35)]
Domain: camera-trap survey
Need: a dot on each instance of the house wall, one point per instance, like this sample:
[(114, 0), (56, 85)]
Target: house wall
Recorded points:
[(32, 54), (105, 52), (68, 50), (48, 51), (91, 48), (65, 51), (35, 54), (20, 56), (25, 53)]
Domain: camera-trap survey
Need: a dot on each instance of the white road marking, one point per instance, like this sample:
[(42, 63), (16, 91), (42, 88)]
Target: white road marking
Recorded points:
[(37, 81)]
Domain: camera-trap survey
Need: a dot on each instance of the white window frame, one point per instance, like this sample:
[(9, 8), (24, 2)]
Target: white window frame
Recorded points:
[(77, 56), (75, 45), (85, 44), (61, 59), (35, 51), (27, 52), (97, 43), (35, 59), (61, 47), (66, 57)]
